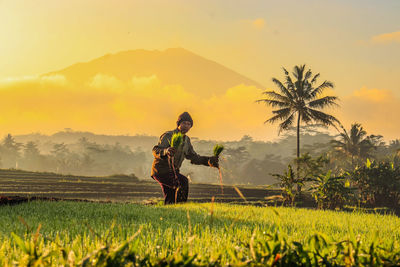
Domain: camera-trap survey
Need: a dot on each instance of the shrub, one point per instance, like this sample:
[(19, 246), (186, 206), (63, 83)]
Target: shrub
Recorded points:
[(287, 183), (331, 192), (378, 183)]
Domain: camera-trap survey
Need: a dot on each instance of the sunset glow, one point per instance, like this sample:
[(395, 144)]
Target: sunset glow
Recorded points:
[(230, 54)]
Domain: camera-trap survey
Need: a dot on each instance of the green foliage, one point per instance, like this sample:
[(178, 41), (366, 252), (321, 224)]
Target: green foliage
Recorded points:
[(34, 254), (330, 192), (378, 183), (287, 183), (309, 168), (320, 250), (176, 140), (218, 149)]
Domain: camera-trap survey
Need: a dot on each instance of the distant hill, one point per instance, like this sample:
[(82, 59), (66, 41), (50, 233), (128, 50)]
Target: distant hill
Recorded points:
[(196, 74), (69, 137)]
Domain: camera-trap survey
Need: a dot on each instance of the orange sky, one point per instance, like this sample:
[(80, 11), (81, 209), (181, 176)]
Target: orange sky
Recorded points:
[(356, 45)]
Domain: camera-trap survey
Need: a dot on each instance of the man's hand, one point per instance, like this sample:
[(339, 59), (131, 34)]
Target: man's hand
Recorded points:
[(213, 162), (170, 151)]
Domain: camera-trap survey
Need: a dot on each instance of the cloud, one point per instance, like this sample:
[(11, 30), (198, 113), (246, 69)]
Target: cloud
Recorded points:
[(234, 114), (258, 23), (376, 109), (373, 95), (102, 81), (386, 38), (31, 80), (143, 104)]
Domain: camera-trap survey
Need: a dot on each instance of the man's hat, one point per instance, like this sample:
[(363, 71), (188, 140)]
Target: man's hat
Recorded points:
[(184, 117)]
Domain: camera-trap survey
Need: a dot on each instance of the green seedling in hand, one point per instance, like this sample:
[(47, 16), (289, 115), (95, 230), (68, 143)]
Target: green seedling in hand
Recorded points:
[(218, 149), (176, 140)]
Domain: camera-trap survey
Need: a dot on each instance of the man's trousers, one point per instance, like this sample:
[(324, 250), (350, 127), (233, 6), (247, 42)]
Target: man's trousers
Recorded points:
[(175, 190)]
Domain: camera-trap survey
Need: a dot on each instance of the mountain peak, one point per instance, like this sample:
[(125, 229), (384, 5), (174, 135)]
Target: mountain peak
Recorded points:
[(196, 74)]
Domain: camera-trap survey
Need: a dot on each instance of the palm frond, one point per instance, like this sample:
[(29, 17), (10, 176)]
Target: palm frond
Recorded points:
[(281, 114), (308, 75), (318, 90), (298, 72), (276, 96), (282, 111), (323, 118), (273, 103), (314, 79), (289, 83), (285, 70), (324, 102), (357, 133), (285, 125), (306, 116), (307, 87), (281, 87), (344, 134)]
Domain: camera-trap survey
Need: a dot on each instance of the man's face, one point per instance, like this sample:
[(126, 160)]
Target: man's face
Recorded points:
[(184, 127)]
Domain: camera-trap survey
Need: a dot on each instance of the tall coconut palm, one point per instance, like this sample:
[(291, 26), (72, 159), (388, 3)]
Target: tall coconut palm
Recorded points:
[(356, 145), (302, 98)]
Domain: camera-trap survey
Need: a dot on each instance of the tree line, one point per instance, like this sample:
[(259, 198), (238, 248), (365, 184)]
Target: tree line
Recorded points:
[(80, 158)]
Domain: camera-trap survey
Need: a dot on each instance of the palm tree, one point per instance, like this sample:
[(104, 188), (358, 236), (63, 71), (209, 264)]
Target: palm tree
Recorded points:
[(357, 145), (300, 98)]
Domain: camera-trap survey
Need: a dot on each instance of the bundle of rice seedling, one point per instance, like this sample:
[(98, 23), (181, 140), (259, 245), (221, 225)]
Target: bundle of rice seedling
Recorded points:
[(176, 140), (218, 149)]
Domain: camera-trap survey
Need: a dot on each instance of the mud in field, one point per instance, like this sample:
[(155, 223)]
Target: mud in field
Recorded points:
[(20, 186)]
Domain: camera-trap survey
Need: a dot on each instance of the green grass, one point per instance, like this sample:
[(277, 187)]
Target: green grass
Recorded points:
[(213, 233)]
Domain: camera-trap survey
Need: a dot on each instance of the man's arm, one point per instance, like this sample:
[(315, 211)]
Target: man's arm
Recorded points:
[(196, 158), (160, 150)]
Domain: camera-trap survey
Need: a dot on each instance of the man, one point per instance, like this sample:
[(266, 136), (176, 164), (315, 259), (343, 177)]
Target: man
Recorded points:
[(174, 185)]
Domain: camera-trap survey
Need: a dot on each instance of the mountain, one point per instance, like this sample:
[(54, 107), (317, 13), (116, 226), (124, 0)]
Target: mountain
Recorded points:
[(196, 74)]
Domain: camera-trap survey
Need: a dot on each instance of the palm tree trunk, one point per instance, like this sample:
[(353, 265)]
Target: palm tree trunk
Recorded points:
[(298, 138), (298, 153)]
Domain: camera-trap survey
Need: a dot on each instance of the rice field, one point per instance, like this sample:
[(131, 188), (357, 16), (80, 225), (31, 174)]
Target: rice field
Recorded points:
[(114, 189), (66, 233)]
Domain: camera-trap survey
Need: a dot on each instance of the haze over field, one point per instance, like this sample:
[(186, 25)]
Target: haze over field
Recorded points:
[(130, 67)]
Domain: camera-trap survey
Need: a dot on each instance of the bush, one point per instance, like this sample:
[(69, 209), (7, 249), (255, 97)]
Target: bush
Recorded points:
[(287, 183), (378, 183), (331, 192)]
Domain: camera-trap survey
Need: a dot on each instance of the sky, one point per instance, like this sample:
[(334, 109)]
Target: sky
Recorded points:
[(355, 44)]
